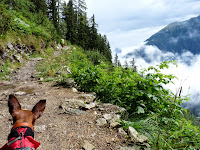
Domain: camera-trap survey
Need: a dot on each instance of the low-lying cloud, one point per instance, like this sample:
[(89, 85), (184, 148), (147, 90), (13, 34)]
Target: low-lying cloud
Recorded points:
[(187, 72)]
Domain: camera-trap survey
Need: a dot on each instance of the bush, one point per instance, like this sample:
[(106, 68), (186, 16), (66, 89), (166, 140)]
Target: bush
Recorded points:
[(6, 19)]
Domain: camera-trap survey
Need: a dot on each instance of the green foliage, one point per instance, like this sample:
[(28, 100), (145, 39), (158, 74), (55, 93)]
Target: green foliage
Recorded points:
[(158, 111), (6, 69), (153, 110), (95, 57), (140, 95), (6, 19)]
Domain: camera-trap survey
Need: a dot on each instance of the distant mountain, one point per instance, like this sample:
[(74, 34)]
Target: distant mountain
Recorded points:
[(178, 37)]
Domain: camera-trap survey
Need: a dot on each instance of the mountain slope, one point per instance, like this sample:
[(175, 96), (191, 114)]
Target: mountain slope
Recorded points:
[(178, 37)]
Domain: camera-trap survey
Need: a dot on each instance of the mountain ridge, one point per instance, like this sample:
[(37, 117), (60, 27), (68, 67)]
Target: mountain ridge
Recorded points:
[(178, 37)]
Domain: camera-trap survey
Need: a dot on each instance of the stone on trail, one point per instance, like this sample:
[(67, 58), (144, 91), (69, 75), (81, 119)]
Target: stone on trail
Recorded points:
[(88, 146), (101, 122)]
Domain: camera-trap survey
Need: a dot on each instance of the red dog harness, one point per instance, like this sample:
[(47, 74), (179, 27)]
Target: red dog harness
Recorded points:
[(21, 138)]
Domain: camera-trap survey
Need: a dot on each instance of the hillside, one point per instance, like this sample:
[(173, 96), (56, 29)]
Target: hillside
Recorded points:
[(69, 121), (178, 37)]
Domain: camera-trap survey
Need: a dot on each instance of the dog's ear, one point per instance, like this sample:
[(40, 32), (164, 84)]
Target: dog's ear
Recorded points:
[(38, 109), (13, 104)]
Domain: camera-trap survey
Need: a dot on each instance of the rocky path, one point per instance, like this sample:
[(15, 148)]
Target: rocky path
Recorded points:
[(71, 120)]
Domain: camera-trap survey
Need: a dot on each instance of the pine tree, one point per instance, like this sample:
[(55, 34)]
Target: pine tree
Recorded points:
[(53, 12), (93, 33), (116, 60), (40, 6), (126, 64), (82, 24), (70, 18), (134, 68)]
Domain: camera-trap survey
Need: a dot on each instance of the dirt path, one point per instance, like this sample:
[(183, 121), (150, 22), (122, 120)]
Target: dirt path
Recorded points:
[(57, 128)]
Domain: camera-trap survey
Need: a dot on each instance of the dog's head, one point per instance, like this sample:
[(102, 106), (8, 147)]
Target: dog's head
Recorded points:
[(24, 116)]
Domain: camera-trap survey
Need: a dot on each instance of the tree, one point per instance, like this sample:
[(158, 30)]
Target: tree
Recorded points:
[(82, 24), (116, 61), (93, 33), (71, 20), (53, 12), (134, 68), (40, 6), (126, 64)]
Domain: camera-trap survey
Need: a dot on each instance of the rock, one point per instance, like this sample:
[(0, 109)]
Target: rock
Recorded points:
[(36, 59), (7, 57), (135, 136), (18, 58), (73, 111), (20, 93), (40, 128), (108, 116), (101, 122), (89, 97), (89, 106), (72, 103), (1, 116), (127, 148), (74, 90), (113, 119), (10, 46), (122, 132), (88, 146), (142, 138), (110, 108)]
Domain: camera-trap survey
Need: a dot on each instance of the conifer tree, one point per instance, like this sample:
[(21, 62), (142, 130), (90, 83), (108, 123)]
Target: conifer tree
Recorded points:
[(126, 64), (82, 24), (93, 33), (116, 60), (70, 18), (134, 68), (40, 6), (53, 12)]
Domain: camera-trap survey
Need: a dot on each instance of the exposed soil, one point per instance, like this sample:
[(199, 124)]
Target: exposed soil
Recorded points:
[(55, 129)]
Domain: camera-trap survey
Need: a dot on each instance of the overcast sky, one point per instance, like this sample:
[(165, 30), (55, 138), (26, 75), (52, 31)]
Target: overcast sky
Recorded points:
[(127, 23)]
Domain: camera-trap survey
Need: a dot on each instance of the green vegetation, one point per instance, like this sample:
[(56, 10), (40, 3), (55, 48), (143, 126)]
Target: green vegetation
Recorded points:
[(43, 20), (152, 110)]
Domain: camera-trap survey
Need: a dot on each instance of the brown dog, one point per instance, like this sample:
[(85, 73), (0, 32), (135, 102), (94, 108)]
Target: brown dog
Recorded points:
[(21, 136)]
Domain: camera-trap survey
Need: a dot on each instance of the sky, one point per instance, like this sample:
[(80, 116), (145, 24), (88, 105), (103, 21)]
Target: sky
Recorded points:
[(128, 23)]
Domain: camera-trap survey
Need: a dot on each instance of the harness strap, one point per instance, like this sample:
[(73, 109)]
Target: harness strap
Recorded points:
[(13, 141), (25, 148)]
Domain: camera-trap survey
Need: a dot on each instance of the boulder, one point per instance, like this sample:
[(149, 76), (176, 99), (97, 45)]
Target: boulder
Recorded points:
[(122, 132), (72, 103), (101, 122), (113, 119), (136, 137), (89, 106)]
